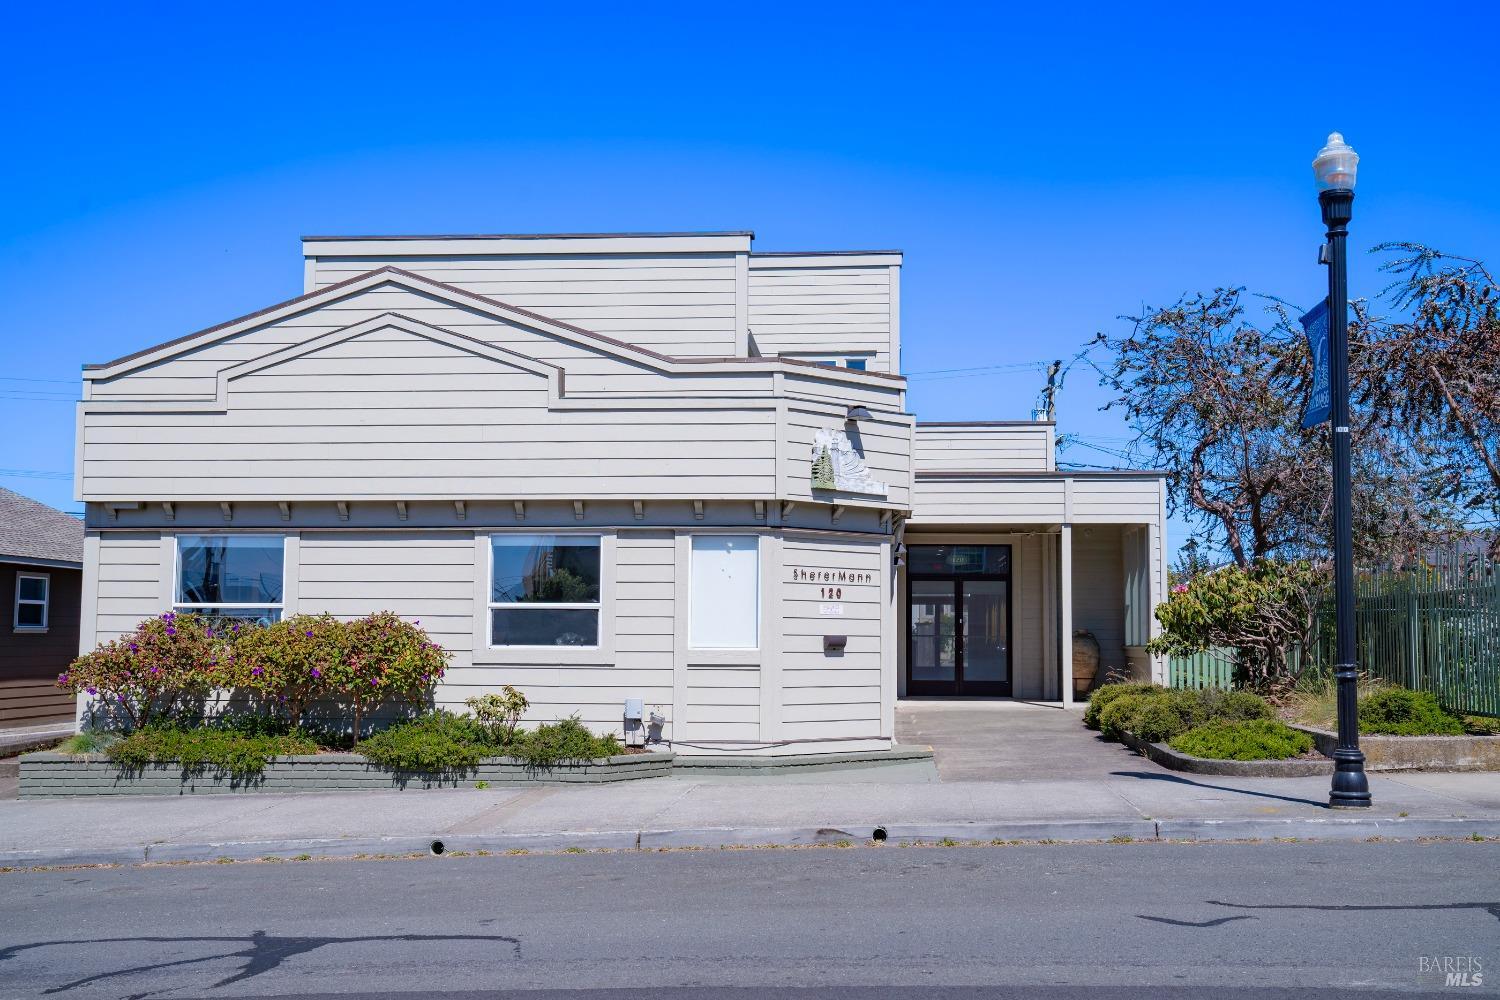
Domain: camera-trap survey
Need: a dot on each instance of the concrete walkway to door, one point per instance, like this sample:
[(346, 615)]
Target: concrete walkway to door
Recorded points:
[(1004, 740)]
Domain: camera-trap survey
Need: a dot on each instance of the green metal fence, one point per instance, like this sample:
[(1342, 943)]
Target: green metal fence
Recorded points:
[(1433, 627), (1210, 668)]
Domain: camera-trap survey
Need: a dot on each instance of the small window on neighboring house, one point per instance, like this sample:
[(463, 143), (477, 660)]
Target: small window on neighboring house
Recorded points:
[(855, 364), (32, 593), (231, 576), (826, 363), (544, 590)]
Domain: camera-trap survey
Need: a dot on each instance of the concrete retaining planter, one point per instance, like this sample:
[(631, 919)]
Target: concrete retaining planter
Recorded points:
[(1296, 767), (51, 775), (1417, 753)]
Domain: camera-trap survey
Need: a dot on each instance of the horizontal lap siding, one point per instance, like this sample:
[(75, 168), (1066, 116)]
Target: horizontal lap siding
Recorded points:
[(990, 449), (440, 423), (31, 661), (679, 305), (1099, 591), (723, 703), (825, 695), (130, 573), (837, 311), (1129, 500), (948, 501), (426, 577), (1028, 626)]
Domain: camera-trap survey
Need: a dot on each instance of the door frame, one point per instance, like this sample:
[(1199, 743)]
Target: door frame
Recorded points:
[(958, 686)]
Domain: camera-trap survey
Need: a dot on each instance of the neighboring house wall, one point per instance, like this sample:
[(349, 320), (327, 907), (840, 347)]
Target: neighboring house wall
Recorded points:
[(833, 306), (30, 660)]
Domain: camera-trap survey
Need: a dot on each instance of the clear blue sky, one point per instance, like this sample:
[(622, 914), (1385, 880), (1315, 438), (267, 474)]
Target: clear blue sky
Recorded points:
[(1045, 169)]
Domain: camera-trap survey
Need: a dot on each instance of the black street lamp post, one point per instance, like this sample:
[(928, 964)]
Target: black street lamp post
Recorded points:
[(1335, 167)]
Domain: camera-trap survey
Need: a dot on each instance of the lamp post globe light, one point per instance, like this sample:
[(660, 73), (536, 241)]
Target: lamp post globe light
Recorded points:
[(1335, 167)]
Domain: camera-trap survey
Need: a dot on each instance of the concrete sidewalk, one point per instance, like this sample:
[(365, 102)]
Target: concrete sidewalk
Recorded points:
[(1142, 803)]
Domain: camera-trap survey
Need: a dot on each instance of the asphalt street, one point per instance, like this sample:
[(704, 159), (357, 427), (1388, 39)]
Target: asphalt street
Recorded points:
[(963, 923)]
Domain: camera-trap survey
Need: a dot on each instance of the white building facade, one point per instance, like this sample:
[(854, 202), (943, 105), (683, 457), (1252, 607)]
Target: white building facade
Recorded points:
[(661, 468)]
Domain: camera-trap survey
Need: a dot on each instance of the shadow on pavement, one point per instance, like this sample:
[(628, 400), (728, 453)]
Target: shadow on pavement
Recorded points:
[(1180, 780)]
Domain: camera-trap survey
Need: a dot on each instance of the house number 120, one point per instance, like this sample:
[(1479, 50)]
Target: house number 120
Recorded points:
[(831, 593)]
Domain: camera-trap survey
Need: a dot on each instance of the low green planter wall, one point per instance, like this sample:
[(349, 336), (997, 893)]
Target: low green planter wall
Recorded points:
[(49, 775), (1164, 755), (1417, 753)]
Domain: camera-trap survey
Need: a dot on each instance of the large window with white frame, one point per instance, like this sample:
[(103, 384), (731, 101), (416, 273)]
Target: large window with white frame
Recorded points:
[(724, 594), (231, 576), (544, 590), (33, 592)]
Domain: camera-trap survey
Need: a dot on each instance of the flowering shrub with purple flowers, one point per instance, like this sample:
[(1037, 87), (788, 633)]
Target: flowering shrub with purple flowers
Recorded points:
[(388, 660), (288, 662), (146, 673), (169, 661)]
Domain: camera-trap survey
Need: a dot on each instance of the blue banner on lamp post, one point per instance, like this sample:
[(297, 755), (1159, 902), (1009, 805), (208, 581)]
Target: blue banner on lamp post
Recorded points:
[(1320, 399)]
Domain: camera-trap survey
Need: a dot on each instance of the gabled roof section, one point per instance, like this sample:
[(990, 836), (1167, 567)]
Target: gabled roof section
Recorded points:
[(471, 300), (30, 530), (393, 321)]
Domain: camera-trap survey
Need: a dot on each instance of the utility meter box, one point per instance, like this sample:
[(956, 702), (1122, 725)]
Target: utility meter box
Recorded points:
[(635, 709)]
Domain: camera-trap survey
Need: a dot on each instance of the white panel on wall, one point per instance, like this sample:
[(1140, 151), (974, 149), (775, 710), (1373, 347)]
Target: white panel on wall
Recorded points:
[(724, 611)]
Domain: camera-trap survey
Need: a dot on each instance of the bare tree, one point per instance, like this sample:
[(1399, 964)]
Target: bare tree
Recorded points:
[(1439, 361), (1216, 401)]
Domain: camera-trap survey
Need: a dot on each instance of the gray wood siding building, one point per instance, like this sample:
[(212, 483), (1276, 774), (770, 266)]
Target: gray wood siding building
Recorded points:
[(716, 440)]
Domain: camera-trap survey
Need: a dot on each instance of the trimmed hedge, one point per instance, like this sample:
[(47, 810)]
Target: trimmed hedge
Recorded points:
[(1248, 739), (1101, 698), (1157, 714), (1403, 712)]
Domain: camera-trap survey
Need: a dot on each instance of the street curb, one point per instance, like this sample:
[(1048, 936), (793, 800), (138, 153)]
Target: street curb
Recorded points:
[(1059, 831), (1331, 828)]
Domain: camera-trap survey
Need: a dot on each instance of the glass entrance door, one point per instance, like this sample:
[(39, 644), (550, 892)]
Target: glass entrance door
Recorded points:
[(934, 632), (958, 620)]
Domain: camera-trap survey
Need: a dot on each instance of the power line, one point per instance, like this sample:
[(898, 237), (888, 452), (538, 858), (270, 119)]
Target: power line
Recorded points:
[(34, 474)]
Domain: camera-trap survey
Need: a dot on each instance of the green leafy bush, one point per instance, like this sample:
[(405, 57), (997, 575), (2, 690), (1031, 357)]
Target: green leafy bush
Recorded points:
[(240, 745), (556, 742), (437, 741), (442, 741), (1157, 714), (154, 669), (1397, 711), (1157, 719), (499, 713), (1100, 699), (1250, 739), (1118, 716), (1257, 610)]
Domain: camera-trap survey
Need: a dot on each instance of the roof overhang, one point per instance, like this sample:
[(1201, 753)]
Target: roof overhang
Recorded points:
[(529, 244)]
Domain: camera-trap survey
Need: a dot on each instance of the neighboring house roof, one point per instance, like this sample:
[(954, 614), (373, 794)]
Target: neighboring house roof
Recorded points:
[(32, 531)]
